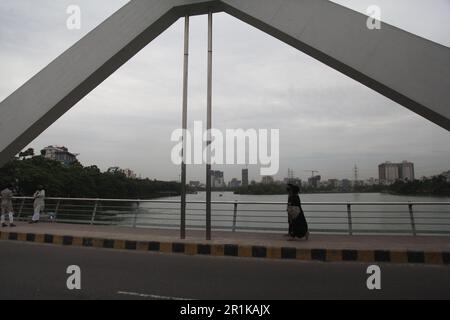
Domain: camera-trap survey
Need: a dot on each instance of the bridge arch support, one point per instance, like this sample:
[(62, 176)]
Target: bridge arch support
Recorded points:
[(408, 69)]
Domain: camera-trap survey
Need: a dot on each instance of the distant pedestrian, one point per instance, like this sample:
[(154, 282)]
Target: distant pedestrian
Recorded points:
[(298, 227), (7, 206), (39, 204)]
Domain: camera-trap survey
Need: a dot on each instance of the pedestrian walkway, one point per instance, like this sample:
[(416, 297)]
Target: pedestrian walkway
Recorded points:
[(363, 248)]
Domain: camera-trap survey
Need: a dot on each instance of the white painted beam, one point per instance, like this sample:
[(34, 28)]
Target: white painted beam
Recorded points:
[(406, 68), (53, 91)]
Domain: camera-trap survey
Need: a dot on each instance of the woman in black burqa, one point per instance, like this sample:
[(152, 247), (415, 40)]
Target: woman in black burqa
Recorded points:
[(298, 227)]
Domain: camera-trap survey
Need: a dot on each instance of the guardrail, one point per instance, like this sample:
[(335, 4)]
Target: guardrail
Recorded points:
[(416, 218)]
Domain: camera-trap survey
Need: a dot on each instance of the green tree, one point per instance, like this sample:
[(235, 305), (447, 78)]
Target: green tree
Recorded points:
[(78, 181)]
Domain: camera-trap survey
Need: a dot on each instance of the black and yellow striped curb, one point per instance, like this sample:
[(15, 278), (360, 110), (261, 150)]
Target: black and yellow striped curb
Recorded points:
[(234, 250)]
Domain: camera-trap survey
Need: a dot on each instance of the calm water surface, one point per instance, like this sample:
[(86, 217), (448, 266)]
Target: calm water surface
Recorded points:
[(272, 217)]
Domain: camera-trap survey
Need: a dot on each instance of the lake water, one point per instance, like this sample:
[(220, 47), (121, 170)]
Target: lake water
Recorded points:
[(321, 218), (314, 197)]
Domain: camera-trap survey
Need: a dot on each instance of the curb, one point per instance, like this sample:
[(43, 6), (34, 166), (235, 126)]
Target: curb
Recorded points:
[(234, 250)]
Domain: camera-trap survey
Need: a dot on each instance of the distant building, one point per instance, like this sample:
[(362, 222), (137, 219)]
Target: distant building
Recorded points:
[(129, 173), (294, 181), (235, 183), (323, 184), (60, 154), (389, 172), (371, 181), (267, 180), (333, 183), (244, 177), (194, 184), (446, 174), (314, 181), (217, 180), (126, 172), (406, 171)]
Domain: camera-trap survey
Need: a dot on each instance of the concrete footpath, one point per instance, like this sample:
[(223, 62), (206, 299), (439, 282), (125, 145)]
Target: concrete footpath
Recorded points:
[(330, 248)]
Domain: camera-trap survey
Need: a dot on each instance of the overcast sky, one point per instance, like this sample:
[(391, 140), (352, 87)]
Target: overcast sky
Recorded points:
[(327, 121)]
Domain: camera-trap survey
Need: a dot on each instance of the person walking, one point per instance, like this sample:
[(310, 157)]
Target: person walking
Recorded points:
[(7, 206), (39, 204), (298, 226)]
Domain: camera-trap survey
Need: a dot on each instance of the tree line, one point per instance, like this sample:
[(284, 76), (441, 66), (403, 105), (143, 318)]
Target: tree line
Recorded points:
[(76, 181), (437, 185)]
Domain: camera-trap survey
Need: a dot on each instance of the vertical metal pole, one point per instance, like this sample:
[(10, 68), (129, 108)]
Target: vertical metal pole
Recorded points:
[(413, 221), (94, 212), (184, 124), (57, 209), (349, 215), (21, 208), (235, 216), (209, 124), (136, 212)]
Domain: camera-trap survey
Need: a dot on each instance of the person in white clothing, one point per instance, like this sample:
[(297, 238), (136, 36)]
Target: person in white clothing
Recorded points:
[(7, 207), (39, 204)]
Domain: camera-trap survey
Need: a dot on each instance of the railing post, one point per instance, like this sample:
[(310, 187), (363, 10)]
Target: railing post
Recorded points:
[(350, 222), (136, 211), (20, 209), (57, 209), (94, 212), (413, 222), (235, 216)]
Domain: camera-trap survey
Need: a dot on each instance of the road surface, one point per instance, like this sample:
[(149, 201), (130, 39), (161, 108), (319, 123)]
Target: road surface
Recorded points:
[(38, 271)]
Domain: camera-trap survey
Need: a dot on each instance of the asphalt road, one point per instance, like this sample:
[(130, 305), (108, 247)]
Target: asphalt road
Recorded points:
[(37, 271)]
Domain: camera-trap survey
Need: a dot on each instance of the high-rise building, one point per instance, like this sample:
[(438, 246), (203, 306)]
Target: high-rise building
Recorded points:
[(245, 177), (267, 180), (389, 172), (407, 171), (314, 181), (217, 180)]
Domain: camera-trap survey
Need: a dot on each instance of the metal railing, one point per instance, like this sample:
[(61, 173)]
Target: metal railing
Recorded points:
[(415, 218)]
